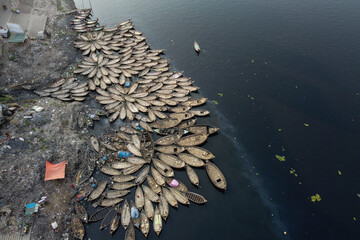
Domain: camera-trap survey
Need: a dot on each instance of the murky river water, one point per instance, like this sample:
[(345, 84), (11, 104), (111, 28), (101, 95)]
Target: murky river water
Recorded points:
[(285, 77)]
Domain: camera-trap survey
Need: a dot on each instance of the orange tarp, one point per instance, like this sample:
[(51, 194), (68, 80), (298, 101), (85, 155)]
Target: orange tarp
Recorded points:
[(54, 171)]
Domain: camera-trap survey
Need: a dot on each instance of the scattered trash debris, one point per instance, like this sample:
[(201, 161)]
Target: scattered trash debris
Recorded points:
[(280, 158), (54, 225), (38, 108)]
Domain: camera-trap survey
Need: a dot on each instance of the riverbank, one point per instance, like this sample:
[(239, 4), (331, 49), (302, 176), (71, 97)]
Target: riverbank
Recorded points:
[(30, 137)]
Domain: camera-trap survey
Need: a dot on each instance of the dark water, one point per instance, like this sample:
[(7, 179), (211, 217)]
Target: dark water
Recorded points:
[(279, 65)]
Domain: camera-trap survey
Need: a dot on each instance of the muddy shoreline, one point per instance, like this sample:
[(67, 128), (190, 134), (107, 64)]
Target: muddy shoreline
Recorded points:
[(30, 137)]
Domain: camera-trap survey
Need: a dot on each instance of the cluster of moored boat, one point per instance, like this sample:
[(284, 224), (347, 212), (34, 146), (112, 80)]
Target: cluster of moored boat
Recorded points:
[(82, 22), (135, 82)]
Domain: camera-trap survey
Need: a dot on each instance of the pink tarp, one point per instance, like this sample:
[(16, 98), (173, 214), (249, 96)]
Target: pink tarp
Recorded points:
[(54, 171)]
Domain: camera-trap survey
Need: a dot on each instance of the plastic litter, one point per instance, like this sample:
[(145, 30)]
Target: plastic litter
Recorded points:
[(134, 212), (38, 108), (127, 84), (123, 154), (54, 225), (21, 139), (174, 183)]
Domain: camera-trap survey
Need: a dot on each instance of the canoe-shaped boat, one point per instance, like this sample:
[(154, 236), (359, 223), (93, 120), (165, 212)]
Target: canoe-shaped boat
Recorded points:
[(203, 129), (170, 149), (174, 183), (170, 198), (147, 146), (182, 116), (136, 160), (130, 232), (81, 212), (142, 175), (77, 227), (145, 224), (115, 193), (115, 221), (200, 153), (130, 170), (215, 175), (153, 184), (122, 178), (195, 197), (159, 179), (163, 207), (196, 46), (180, 197), (125, 215), (99, 214), (193, 177), (200, 112), (187, 123), (98, 191), (135, 214), (121, 164), (133, 149), (139, 198), (150, 194), (95, 143), (171, 160), (110, 202), (194, 102), (109, 170), (192, 140), (157, 224), (180, 109), (170, 131), (85, 171), (165, 123), (168, 140), (191, 160), (148, 208), (163, 168), (122, 185), (109, 217)]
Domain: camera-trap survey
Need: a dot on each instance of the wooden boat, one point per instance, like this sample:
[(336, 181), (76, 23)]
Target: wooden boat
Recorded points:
[(203, 129), (186, 124), (163, 168), (215, 175), (200, 153), (98, 191), (133, 149), (171, 160), (170, 149), (196, 46), (115, 193), (122, 178), (95, 143), (130, 232), (86, 170), (195, 197), (110, 202), (193, 177), (174, 183), (170, 131), (147, 146), (180, 109), (148, 208), (168, 140), (163, 207), (194, 102), (139, 198), (150, 194), (77, 227), (153, 185), (109, 170), (136, 160), (170, 198), (180, 197), (130, 170), (165, 123), (122, 186), (81, 212), (125, 214), (142, 175), (157, 224), (181, 116), (134, 214), (191, 160), (145, 225), (159, 179), (99, 214), (121, 164), (200, 112), (192, 140), (115, 221), (96, 203), (109, 217)]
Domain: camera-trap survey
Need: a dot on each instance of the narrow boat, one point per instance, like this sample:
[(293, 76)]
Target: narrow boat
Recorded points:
[(182, 115), (203, 129), (77, 227), (142, 175), (133, 149), (170, 149), (195, 197), (174, 183), (200, 112), (115, 221), (147, 145), (171, 160), (165, 123), (196, 47), (168, 140), (98, 191), (122, 178), (148, 208), (139, 198), (109, 217), (130, 170), (150, 194), (115, 193), (134, 214), (157, 224), (145, 225), (122, 186), (121, 164), (186, 124), (180, 197), (110, 202), (81, 212), (193, 177), (191, 160), (194, 102), (94, 143), (125, 215), (153, 185), (168, 131), (136, 160), (192, 140), (200, 153), (163, 168), (170, 198), (159, 179), (216, 176), (109, 170), (163, 207), (99, 214), (130, 232)]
